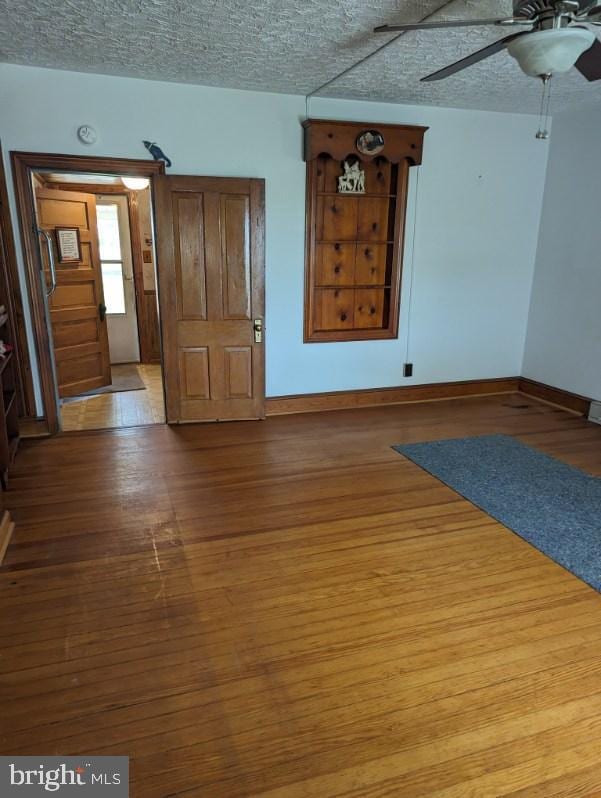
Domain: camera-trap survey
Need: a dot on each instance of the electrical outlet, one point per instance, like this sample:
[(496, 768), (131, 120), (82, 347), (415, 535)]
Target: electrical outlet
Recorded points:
[(408, 370)]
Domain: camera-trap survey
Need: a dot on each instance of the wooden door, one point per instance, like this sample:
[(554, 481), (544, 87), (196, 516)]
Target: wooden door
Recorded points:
[(81, 347), (211, 266)]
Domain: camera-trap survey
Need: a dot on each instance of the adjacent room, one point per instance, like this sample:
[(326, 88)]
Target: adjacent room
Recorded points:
[(300, 431), (104, 322)]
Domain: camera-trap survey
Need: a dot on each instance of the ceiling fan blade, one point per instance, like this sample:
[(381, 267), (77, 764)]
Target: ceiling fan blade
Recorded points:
[(590, 17), (480, 55), (589, 63), (451, 23)]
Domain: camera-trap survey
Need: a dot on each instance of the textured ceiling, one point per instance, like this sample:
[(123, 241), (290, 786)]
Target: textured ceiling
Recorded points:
[(291, 46)]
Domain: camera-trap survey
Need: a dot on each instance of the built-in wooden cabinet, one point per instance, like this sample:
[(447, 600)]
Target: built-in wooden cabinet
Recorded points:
[(9, 416), (11, 385), (354, 239)]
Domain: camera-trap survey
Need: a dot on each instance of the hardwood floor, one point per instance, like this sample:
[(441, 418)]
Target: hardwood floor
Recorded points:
[(124, 409), (289, 608)]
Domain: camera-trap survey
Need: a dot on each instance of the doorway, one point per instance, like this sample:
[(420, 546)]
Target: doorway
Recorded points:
[(98, 263), (210, 278)]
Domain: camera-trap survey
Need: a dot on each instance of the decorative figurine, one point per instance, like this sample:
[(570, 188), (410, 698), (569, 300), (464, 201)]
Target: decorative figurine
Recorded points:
[(353, 179), (156, 152)]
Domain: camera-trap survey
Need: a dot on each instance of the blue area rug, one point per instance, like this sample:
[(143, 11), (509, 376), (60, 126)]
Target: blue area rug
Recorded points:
[(553, 506)]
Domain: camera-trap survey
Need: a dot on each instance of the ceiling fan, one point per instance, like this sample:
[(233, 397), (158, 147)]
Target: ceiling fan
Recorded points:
[(557, 38)]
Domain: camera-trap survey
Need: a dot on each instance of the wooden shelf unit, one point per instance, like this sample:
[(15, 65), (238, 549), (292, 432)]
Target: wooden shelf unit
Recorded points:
[(15, 363), (9, 417), (354, 243)]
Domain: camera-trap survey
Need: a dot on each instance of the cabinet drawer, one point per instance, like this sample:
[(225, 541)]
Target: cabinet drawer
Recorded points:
[(373, 219), (371, 263), (335, 264), (336, 218), (334, 308), (369, 308)]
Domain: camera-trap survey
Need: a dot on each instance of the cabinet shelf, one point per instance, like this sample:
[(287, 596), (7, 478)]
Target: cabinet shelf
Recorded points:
[(368, 195), (4, 362), (350, 241), (351, 286), (13, 445), (9, 398)]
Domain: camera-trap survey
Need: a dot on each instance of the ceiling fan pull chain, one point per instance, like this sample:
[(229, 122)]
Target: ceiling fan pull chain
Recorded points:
[(548, 109), (543, 115), (541, 111)]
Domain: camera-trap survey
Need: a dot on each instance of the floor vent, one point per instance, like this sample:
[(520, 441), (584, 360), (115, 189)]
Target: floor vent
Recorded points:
[(595, 412)]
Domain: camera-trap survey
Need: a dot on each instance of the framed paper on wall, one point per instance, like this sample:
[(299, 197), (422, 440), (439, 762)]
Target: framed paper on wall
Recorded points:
[(68, 244)]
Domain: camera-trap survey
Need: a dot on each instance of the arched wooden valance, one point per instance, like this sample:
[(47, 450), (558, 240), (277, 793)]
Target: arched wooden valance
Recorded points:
[(339, 139)]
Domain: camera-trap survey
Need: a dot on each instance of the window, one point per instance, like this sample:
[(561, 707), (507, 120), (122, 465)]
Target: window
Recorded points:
[(111, 258)]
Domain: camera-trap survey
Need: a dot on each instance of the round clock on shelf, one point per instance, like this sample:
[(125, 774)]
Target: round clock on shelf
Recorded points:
[(86, 134), (370, 142)]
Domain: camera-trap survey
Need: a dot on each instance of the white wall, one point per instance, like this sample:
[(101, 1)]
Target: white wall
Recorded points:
[(563, 345), (478, 211)]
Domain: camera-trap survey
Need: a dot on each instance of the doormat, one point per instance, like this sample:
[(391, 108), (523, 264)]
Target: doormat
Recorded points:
[(125, 378)]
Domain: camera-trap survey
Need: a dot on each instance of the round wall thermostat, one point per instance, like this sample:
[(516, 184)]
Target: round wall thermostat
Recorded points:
[(86, 134)]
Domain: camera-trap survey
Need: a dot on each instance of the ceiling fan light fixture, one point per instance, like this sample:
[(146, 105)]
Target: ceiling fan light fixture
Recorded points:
[(135, 183), (549, 52)]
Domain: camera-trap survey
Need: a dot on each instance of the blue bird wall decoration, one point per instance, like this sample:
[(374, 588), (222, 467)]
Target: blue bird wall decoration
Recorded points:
[(156, 152)]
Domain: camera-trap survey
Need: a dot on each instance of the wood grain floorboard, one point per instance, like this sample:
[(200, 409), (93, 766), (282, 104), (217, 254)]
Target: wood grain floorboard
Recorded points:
[(290, 609)]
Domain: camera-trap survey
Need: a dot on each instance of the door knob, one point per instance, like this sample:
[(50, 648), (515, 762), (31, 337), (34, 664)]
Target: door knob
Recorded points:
[(102, 311), (258, 328)]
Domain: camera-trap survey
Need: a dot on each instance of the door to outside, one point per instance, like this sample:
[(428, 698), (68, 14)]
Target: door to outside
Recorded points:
[(118, 278), (79, 332), (210, 235)]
